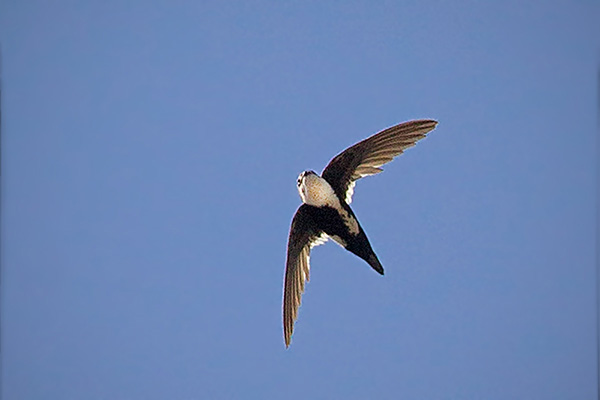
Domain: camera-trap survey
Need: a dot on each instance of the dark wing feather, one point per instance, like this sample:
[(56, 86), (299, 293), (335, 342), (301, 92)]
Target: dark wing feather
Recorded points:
[(303, 236), (366, 157)]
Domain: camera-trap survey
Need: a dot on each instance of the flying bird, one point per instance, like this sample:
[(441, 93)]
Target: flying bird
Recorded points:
[(326, 213)]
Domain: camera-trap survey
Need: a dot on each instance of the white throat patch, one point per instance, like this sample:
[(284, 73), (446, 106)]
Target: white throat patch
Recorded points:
[(316, 191)]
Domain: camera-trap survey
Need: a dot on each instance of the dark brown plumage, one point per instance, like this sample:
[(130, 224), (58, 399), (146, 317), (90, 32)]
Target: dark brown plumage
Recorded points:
[(312, 225)]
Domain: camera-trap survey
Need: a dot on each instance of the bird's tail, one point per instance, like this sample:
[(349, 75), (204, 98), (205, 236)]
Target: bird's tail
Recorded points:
[(374, 263)]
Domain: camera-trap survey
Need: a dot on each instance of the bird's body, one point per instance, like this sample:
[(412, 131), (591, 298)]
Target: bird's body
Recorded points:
[(334, 217), (326, 213)]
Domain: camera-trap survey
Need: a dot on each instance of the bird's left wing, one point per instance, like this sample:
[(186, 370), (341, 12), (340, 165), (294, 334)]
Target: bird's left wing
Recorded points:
[(366, 157), (303, 236)]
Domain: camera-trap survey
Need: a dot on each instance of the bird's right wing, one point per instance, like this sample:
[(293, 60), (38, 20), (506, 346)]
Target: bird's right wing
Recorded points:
[(304, 235), (366, 157)]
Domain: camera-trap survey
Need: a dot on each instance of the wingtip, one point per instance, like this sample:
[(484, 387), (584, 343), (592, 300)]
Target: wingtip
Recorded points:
[(432, 122)]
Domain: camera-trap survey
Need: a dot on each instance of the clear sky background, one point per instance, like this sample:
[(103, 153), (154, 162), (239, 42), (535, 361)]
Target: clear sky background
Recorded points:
[(150, 152)]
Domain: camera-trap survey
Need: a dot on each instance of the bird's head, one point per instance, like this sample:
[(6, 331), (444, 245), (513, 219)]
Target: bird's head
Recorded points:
[(303, 175), (303, 183)]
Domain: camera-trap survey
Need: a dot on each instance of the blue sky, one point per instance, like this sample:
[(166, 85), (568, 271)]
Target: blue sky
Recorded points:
[(150, 152)]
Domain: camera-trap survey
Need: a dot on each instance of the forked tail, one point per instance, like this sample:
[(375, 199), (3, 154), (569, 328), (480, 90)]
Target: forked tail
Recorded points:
[(374, 263)]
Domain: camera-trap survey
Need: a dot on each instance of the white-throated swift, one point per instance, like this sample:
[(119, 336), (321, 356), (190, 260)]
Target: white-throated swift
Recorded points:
[(326, 213)]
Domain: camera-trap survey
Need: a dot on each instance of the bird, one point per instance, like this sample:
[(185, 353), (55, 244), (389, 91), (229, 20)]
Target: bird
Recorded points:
[(325, 212)]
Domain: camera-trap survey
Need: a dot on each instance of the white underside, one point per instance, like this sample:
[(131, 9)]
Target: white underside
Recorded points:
[(325, 237)]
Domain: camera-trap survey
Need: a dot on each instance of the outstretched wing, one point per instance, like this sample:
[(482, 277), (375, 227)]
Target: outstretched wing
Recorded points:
[(304, 235), (366, 157)]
